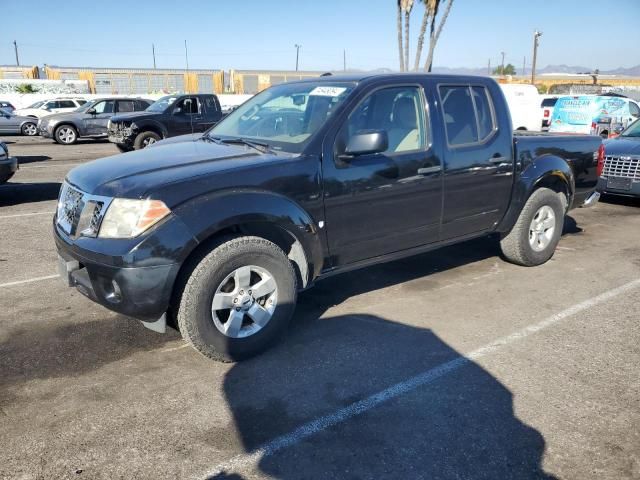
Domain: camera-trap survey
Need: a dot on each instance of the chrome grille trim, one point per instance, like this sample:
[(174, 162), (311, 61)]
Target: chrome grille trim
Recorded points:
[(624, 166), (74, 205)]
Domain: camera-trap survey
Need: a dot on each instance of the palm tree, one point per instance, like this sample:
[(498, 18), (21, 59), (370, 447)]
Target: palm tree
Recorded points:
[(430, 11), (435, 34), (399, 25), (407, 5)]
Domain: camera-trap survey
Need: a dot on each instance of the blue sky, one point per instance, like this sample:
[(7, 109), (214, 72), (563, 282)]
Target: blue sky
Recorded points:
[(258, 34)]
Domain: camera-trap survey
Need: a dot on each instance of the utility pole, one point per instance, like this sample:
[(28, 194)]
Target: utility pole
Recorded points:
[(524, 62), (536, 36), (153, 51), (502, 67), (344, 60), (15, 47), (489, 67), (297, 54)]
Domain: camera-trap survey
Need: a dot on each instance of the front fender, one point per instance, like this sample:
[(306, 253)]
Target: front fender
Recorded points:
[(142, 125), (212, 213), (543, 170)]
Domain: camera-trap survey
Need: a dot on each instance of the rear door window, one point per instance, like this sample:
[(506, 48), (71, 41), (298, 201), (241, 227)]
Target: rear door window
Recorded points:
[(484, 112), (125, 106), (459, 115), (66, 104)]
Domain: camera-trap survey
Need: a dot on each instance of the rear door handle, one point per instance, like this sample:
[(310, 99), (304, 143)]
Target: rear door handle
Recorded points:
[(428, 170)]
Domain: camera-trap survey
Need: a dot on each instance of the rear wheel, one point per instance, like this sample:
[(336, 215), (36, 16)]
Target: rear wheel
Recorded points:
[(534, 238), (238, 300), (29, 129), (66, 135), (145, 139)]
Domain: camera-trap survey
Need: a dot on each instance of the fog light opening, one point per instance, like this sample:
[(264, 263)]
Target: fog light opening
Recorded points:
[(115, 296)]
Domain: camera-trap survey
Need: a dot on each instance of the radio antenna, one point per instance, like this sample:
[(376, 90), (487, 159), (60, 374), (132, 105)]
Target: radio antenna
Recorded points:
[(186, 59)]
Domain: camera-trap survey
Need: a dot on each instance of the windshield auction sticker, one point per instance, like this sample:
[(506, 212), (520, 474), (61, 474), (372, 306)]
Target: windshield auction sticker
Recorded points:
[(327, 91)]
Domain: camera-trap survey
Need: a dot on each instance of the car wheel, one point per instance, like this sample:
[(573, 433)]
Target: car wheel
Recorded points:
[(29, 129), (66, 135), (145, 139), (534, 238), (238, 299)]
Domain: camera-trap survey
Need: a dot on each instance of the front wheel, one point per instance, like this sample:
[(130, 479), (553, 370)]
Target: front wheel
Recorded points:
[(66, 135), (534, 238), (238, 300), (145, 139)]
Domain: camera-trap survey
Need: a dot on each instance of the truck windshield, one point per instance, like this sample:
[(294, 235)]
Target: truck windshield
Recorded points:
[(632, 130), (162, 103), (286, 116)]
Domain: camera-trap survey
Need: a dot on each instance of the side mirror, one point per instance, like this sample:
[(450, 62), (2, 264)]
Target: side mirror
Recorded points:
[(366, 142), (91, 111)]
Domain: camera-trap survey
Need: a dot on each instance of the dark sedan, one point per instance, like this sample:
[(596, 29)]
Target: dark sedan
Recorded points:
[(621, 174), (8, 165)]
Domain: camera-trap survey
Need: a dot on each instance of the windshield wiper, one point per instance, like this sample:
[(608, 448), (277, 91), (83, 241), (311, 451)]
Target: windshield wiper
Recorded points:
[(261, 147)]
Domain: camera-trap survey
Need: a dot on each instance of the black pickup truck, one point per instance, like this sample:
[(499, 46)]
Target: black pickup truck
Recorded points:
[(306, 180), (168, 117)]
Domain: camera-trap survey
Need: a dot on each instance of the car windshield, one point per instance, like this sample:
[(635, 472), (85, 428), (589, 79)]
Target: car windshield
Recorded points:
[(162, 104), (37, 104), (286, 116), (632, 130)]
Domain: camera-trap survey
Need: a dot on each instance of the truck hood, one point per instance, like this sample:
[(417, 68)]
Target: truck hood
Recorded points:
[(133, 116), (143, 173), (622, 146)]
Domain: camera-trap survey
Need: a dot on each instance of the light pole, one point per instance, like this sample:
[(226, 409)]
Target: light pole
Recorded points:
[(298, 47), (536, 36), (502, 67)]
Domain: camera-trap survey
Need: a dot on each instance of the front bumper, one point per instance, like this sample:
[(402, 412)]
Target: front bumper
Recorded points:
[(110, 278), (634, 191), (45, 131), (8, 167)]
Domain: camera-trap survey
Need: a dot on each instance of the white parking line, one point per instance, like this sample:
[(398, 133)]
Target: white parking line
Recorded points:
[(29, 280), (323, 423), (17, 215)]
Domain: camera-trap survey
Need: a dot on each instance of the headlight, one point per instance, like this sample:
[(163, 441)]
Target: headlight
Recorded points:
[(129, 218)]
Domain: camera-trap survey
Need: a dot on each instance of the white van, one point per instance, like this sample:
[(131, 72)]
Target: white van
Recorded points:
[(524, 105)]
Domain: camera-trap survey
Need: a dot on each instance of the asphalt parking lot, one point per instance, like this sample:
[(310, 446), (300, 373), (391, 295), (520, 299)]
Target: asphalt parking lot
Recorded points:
[(452, 364)]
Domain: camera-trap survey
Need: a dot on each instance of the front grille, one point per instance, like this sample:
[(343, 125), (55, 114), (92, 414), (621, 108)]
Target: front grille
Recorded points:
[(622, 167), (70, 206), (80, 213)]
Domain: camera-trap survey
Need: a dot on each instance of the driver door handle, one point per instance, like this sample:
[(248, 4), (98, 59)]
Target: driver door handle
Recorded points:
[(428, 170)]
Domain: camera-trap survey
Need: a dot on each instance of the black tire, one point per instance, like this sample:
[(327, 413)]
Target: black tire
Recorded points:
[(123, 148), (516, 246), (29, 129), (144, 139), (194, 315), (66, 134)]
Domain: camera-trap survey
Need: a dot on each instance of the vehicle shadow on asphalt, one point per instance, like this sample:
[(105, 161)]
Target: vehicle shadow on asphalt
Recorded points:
[(24, 159), (621, 200), (54, 350), (459, 424), (17, 193)]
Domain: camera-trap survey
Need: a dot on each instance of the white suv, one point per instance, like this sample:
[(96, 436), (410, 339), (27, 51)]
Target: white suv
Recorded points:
[(47, 107)]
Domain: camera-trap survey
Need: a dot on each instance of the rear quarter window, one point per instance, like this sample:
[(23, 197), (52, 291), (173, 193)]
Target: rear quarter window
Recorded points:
[(469, 114)]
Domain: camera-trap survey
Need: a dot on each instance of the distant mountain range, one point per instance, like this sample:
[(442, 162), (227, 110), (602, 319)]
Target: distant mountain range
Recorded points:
[(566, 69)]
